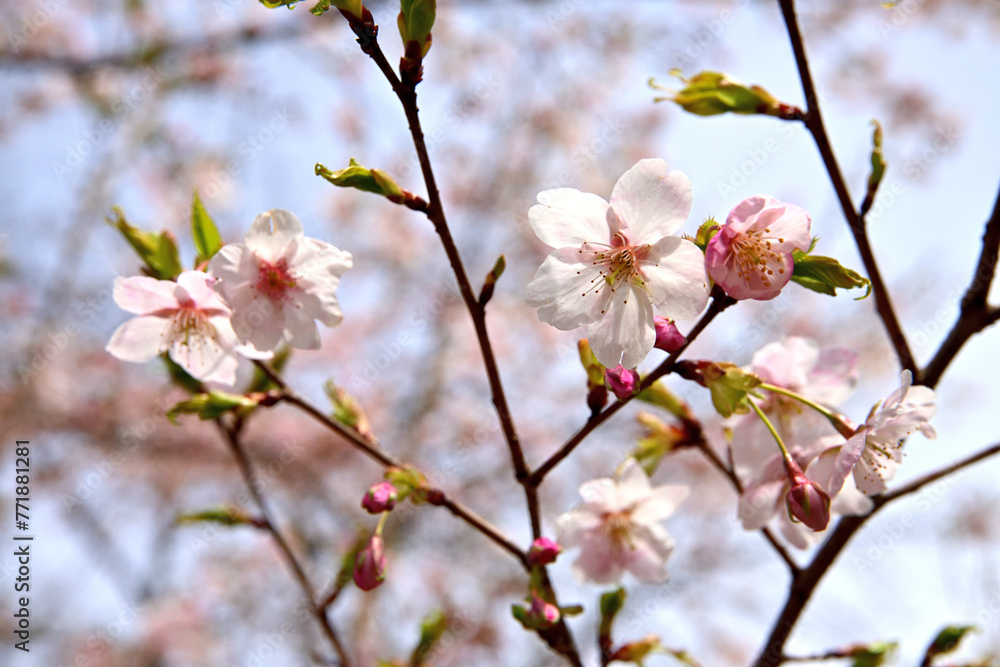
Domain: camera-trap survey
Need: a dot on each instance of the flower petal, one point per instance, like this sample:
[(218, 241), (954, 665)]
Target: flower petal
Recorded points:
[(628, 333), (300, 328), (661, 502), (140, 339), (674, 271), (573, 525), (142, 295), (567, 292), (650, 202), (566, 217), (632, 482), (599, 561), (647, 558), (271, 232)]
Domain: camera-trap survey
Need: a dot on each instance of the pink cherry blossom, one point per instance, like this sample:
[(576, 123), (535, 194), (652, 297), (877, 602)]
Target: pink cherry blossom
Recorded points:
[(381, 497), (370, 564), (623, 382), (543, 551), (278, 282), (668, 338), (185, 318), (617, 527), (751, 255), (614, 262), (876, 449)]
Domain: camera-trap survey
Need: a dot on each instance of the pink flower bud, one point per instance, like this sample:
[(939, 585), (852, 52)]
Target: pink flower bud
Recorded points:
[(806, 501), (370, 565), (668, 338), (543, 551), (623, 382), (544, 614), (380, 498)]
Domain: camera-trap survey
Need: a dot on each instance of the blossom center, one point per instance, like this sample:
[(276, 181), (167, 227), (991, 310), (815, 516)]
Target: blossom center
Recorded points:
[(617, 264), (275, 280), (619, 528), (753, 256), (190, 326)]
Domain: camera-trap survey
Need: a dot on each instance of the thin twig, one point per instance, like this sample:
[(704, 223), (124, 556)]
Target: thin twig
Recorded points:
[(267, 521), (975, 314), (804, 583), (720, 302), (856, 222)]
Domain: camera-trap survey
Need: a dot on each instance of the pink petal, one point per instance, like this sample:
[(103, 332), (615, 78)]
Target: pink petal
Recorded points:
[(567, 292), (675, 278), (599, 561), (744, 215), (790, 230), (787, 362), (572, 526), (650, 202), (834, 376), (661, 502), (633, 483), (565, 217), (200, 288), (140, 339), (271, 232), (142, 295), (647, 559)]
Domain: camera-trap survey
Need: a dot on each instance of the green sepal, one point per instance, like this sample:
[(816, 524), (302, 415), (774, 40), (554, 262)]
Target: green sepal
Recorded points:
[(207, 239), (658, 394), (947, 641), (348, 411), (213, 404), (711, 93), (432, 627), (595, 370), (408, 481), (728, 383), (158, 250), (825, 275), (361, 178), (611, 603), (227, 515), (659, 440), (705, 233)]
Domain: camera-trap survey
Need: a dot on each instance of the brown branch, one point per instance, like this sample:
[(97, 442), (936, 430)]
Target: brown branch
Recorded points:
[(856, 222), (232, 434), (379, 455), (720, 301), (804, 583), (975, 314)]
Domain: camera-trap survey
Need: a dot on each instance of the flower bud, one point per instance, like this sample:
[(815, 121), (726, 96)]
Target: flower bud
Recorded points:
[(543, 551), (380, 498), (622, 381), (370, 565), (544, 614), (668, 338), (807, 501)]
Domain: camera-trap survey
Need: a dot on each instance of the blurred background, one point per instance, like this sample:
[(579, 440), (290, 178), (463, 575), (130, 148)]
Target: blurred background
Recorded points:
[(136, 104)]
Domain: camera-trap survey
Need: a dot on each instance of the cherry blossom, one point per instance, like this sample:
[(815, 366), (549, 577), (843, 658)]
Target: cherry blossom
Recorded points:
[(876, 449), (185, 318), (614, 262), (278, 282), (751, 255), (617, 527)]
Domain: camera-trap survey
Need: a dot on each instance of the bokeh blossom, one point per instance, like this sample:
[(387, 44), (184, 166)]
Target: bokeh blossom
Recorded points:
[(614, 262), (617, 527)]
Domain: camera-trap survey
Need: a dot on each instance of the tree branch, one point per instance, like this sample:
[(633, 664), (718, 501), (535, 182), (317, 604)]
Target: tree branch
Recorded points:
[(856, 222)]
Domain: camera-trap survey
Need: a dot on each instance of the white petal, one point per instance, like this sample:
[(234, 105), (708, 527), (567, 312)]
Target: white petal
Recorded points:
[(572, 526), (569, 218), (633, 482), (598, 491), (790, 230), (627, 333), (834, 376), (647, 559), (205, 360), (568, 293), (675, 278), (140, 339), (786, 363), (271, 232), (200, 288), (758, 504), (599, 561), (650, 202), (660, 503), (141, 295), (798, 535), (300, 329), (314, 258)]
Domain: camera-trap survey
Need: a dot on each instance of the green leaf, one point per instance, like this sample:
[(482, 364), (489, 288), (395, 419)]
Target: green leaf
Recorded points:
[(878, 168), (227, 515), (947, 641), (211, 405), (872, 655), (415, 20), (181, 377), (206, 235), (712, 93), (361, 178), (825, 275), (408, 481), (432, 627), (158, 250), (728, 383), (611, 603)]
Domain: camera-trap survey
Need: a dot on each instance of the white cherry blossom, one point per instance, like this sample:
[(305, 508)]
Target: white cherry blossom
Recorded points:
[(614, 262), (278, 282), (617, 527)]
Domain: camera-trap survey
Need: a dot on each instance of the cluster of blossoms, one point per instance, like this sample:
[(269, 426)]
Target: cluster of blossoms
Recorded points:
[(256, 295)]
